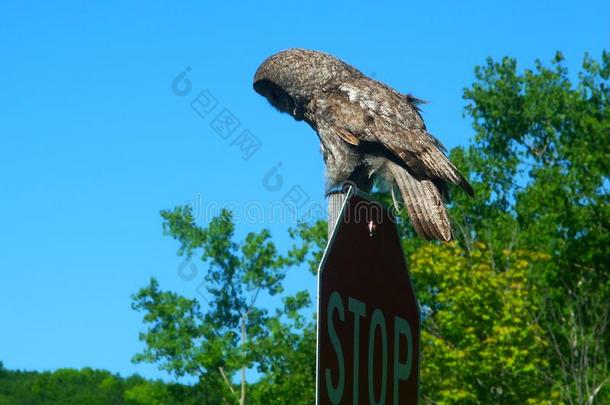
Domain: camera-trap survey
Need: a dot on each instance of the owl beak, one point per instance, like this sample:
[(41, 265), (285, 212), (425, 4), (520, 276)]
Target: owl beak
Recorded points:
[(297, 113)]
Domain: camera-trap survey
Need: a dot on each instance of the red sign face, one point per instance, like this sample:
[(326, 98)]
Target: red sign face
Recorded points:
[(368, 316)]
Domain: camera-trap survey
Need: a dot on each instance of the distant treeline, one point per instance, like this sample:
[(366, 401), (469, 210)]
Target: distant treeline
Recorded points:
[(90, 387)]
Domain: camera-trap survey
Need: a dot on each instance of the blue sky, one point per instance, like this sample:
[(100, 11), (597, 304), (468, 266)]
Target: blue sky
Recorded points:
[(94, 142)]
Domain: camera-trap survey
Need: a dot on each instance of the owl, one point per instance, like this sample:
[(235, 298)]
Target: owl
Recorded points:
[(367, 131)]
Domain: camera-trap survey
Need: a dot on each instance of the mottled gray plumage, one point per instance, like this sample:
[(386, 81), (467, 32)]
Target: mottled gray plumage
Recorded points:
[(366, 129)]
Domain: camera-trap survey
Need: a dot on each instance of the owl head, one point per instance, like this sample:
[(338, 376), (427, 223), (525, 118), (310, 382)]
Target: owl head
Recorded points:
[(289, 79)]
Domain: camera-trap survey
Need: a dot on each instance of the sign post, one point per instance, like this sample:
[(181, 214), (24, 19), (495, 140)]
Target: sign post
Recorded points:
[(368, 316)]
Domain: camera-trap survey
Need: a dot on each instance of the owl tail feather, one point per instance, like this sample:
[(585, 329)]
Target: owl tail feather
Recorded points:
[(424, 205)]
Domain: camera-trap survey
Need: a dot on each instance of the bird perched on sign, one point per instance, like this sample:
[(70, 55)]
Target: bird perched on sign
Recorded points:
[(366, 129)]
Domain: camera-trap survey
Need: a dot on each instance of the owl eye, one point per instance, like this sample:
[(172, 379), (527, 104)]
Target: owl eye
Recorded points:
[(276, 97)]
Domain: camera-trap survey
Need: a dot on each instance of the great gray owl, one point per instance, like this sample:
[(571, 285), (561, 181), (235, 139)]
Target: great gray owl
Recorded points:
[(366, 129)]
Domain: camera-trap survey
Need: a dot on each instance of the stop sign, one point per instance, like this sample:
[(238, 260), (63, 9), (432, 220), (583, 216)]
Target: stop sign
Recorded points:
[(368, 316)]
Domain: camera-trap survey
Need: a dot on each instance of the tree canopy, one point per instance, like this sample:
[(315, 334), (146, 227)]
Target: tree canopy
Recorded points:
[(88, 387)]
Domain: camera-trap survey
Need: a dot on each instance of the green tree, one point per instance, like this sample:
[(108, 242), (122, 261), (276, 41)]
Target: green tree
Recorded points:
[(233, 333), (155, 393), (480, 343), (88, 386), (540, 163)]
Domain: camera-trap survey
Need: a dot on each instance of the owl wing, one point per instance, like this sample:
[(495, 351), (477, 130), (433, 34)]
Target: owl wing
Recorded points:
[(393, 120), (368, 111), (424, 204)]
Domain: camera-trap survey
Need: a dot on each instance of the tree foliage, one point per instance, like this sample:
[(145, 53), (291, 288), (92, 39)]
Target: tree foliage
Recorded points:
[(481, 344), (540, 162), (88, 387), (233, 332)]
